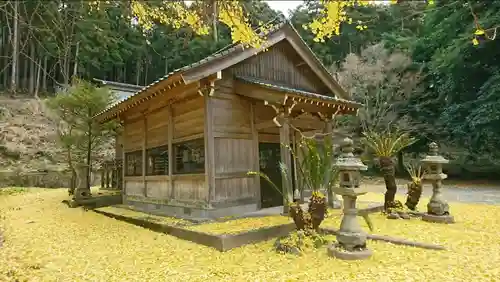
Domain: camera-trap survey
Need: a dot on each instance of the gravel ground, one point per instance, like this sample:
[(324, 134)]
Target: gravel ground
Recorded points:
[(481, 195)]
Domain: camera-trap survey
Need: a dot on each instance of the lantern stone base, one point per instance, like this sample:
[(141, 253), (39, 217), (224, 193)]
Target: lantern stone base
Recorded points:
[(438, 218), (335, 250)]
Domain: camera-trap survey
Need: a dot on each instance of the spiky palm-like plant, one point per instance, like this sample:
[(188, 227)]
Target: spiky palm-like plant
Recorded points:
[(415, 186), (316, 165), (385, 145)]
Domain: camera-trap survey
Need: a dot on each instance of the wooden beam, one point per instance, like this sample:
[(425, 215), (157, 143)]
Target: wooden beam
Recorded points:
[(305, 104), (303, 124), (264, 124), (258, 93)]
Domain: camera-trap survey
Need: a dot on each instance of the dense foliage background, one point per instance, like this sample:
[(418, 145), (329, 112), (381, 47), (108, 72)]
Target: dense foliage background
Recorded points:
[(455, 103)]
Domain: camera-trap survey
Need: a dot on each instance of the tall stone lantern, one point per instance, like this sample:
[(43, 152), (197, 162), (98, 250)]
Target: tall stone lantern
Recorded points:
[(438, 209), (351, 239)]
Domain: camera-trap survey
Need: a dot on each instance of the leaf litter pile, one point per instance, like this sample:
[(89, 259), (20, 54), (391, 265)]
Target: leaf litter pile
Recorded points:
[(46, 241)]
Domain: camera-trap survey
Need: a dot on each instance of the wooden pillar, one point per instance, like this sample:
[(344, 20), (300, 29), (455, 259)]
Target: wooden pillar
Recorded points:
[(255, 155), (209, 149), (123, 165), (286, 160), (170, 138), (295, 169), (144, 158)]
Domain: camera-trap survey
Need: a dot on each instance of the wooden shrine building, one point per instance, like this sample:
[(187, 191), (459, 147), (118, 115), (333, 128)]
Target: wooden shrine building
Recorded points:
[(190, 137)]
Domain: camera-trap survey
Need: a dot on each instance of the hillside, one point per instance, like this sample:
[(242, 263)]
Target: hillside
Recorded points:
[(27, 136)]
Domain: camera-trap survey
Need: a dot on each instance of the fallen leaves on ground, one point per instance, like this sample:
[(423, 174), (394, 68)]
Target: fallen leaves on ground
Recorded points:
[(129, 212), (46, 241), (236, 226)]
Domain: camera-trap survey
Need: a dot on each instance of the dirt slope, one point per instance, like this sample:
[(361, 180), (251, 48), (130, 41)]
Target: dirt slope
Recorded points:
[(27, 136)]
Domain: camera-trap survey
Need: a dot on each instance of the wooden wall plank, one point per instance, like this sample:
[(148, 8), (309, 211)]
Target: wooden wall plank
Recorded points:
[(231, 115), (133, 134), (281, 64), (231, 189), (158, 189), (188, 117), (233, 155), (190, 188)]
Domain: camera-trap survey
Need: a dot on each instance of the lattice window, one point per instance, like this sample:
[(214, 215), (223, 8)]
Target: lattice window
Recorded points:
[(133, 163), (157, 160), (190, 156)]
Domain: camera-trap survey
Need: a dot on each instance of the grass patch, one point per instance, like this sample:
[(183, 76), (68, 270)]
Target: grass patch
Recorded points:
[(46, 241)]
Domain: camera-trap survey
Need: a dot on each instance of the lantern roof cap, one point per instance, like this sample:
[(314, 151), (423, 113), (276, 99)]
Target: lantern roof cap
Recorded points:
[(433, 157), (347, 160)]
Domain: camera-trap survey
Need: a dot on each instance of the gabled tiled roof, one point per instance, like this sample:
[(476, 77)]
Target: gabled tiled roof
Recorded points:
[(220, 53), (280, 23)]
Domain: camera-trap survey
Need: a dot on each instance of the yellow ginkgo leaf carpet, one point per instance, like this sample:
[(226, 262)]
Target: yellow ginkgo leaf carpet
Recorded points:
[(47, 241)]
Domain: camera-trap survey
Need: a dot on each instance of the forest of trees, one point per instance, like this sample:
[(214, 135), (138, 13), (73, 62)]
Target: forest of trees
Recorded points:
[(455, 100)]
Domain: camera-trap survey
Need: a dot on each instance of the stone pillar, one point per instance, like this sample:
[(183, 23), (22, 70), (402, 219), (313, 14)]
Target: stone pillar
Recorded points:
[(351, 239), (437, 209)]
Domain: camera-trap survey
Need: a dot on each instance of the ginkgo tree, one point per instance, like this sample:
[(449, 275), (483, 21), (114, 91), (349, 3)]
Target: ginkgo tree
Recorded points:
[(200, 16)]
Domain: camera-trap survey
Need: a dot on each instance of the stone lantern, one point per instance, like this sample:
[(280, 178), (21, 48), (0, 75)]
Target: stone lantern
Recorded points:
[(437, 208), (351, 239)]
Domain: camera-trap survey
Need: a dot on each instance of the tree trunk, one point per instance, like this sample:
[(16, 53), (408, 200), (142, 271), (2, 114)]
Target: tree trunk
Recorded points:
[(25, 75), (89, 151), (414, 194), (138, 71), (401, 163), (37, 83), (44, 79), (75, 66), (15, 49), (146, 66), (387, 168), (32, 69), (214, 21)]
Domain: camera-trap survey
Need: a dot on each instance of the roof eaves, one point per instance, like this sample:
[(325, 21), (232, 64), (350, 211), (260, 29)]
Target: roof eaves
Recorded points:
[(283, 88)]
